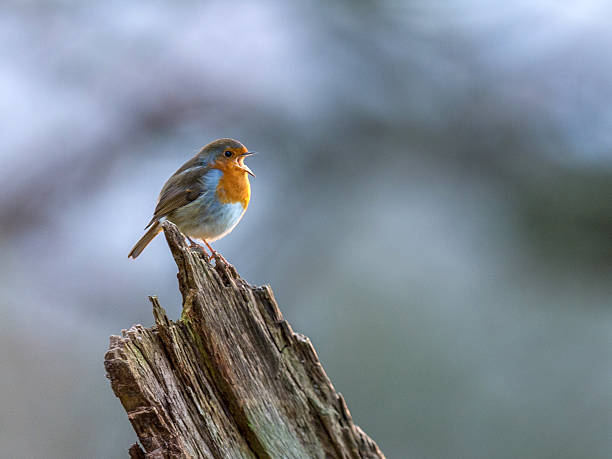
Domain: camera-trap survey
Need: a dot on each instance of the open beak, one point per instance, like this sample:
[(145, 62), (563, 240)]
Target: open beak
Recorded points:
[(243, 166)]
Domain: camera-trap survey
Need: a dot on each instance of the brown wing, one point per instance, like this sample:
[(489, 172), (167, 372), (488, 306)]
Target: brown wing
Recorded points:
[(180, 189)]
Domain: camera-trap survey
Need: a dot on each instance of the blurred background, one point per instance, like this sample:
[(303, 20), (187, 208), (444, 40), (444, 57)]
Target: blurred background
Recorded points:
[(432, 207)]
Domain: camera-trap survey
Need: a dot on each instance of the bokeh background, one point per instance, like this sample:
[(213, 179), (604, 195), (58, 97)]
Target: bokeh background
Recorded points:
[(433, 207)]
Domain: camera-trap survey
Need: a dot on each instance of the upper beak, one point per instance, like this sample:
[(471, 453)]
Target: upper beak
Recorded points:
[(243, 166)]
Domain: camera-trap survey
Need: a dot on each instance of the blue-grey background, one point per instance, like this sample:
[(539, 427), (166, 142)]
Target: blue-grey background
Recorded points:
[(433, 207)]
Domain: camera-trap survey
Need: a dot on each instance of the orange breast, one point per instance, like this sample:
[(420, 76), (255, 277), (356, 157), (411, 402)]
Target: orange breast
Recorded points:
[(234, 186)]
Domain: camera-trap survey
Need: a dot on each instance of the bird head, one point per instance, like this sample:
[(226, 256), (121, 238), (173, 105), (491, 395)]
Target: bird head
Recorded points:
[(227, 154)]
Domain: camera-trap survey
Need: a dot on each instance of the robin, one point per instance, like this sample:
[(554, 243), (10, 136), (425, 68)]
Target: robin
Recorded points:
[(206, 197)]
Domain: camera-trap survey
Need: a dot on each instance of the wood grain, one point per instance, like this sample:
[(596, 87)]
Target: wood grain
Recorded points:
[(230, 379)]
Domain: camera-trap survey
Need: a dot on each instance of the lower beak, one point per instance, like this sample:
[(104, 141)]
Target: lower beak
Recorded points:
[(243, 166)]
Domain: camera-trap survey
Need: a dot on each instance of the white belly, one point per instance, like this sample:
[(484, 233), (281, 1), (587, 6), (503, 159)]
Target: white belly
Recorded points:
[(209, 221)]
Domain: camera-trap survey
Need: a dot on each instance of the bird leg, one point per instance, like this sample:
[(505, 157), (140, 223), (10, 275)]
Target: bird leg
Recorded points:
[(195, 245), (192, 243), (215, 254)]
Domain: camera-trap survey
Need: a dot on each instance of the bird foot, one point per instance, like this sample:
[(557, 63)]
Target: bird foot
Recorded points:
[(214, 254), (199, 248), (217, 256)]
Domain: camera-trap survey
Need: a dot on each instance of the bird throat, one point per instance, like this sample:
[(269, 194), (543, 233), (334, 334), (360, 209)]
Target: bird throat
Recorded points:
[(234, 186)]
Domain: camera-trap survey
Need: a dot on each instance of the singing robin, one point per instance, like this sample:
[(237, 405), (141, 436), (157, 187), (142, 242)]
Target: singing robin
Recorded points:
[(206, 197)]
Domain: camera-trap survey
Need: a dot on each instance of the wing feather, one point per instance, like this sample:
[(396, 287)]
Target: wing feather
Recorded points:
[(182, 188)]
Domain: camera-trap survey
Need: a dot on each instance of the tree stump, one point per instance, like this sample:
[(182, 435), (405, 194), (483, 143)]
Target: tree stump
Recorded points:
[(230, 379)]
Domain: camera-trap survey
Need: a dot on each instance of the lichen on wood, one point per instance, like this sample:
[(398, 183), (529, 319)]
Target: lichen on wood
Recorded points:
[(230, 379)]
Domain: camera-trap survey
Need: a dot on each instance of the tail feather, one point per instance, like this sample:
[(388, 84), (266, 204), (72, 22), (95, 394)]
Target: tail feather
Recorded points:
[(144, 240)]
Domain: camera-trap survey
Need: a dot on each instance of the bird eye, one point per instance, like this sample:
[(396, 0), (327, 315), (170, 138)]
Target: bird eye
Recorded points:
[(228, 154)]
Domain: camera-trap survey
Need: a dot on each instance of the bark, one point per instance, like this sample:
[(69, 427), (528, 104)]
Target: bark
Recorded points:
[(230, 379)]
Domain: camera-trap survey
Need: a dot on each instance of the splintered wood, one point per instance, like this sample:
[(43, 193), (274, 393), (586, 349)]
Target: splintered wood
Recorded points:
[(230, 379)]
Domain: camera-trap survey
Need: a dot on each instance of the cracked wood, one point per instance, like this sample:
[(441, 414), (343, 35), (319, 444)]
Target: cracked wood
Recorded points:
[(230, 379)]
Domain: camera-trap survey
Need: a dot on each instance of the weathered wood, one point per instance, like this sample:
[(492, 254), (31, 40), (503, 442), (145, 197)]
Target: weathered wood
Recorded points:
[(230, 379)]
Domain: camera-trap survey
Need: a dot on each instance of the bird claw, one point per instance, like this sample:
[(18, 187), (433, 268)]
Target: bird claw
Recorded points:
[(199, 248), (214, 254), (217, 256)]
